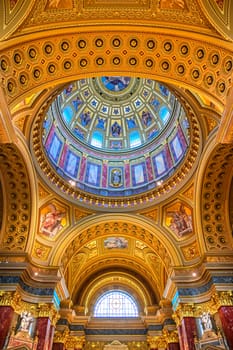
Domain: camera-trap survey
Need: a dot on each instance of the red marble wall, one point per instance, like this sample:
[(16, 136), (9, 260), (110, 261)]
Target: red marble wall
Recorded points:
[(6, 316), (226, 316)]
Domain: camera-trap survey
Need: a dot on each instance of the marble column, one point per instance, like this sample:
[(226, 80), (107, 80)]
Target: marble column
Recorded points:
[(6, 316), (226, 317), (188, 332), (173, 346), (43, 331), (58, 346)]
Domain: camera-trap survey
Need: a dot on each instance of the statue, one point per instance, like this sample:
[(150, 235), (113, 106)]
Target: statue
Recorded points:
[(25, 321), (206, 321)]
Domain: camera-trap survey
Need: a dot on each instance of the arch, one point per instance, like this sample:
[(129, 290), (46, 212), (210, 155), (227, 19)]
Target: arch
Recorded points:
[(214, 181), (19, 194), (102, 225), (76, 54)]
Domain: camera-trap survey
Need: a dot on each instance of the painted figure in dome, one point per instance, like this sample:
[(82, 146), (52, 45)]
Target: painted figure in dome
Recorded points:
[(116, 177), (85, 118), (131, 123), (146, 118), (76, 103), (116, 129), (100, 124), (116, 83), (69, 89)]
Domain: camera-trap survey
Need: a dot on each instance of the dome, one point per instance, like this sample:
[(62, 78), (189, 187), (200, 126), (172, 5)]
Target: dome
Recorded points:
[(115, 114), (115, 136)]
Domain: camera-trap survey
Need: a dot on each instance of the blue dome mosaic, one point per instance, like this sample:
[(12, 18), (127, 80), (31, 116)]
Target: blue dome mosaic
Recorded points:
[(115, 135)]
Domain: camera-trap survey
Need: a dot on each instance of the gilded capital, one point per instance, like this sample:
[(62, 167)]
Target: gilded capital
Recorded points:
[(183, 310), (48, 310), (75, 342), (6, 298)]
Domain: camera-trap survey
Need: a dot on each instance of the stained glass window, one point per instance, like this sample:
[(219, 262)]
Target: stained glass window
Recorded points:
[(116, 304)]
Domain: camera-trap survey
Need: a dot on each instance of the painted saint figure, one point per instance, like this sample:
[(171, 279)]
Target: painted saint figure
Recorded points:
[(51, 222), (116, 177)]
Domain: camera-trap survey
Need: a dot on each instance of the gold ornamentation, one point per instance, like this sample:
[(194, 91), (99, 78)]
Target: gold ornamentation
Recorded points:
[(42, 192), (214, 221), (61, 337), (41, 251), (79, 214), (75, 342), (48, 310), (6, 298), (211, 124), (191, 252), (152, 214), (18, 197), (183, 310), (189, 193)]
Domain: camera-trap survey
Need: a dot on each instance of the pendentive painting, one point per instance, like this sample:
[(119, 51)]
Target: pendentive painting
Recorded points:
[(178, 218), (53, 218)]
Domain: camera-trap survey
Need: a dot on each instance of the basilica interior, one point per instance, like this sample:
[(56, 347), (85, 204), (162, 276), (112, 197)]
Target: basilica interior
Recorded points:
[(116, 168)]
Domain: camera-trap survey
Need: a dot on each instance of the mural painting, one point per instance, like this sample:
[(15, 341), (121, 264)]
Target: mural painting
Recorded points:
[(172, 4), (13, 3), (52, 220), (115, 242), (220, 4), (178, 218), (59, 4)]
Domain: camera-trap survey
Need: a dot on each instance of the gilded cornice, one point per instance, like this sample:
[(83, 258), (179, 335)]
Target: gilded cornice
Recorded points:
[(185, 13), (14, 300), (162, 341), (70, 341), (212, 306)]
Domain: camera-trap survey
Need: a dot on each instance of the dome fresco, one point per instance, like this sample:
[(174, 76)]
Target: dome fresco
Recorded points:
[(115, 135)]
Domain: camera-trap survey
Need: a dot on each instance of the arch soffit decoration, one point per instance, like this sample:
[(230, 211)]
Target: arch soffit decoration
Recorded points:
[(213, 185), (120, 280), (67, 56), (17, 195), (104, 225), (116, 270)]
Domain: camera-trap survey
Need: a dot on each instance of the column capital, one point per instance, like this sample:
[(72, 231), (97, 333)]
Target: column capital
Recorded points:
[(183, 310), (48, 310), (157, 341), (61, 336)]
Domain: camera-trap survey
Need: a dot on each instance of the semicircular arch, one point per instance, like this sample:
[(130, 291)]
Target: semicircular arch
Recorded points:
[(213, 185), (137, 227), (68, 56)]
